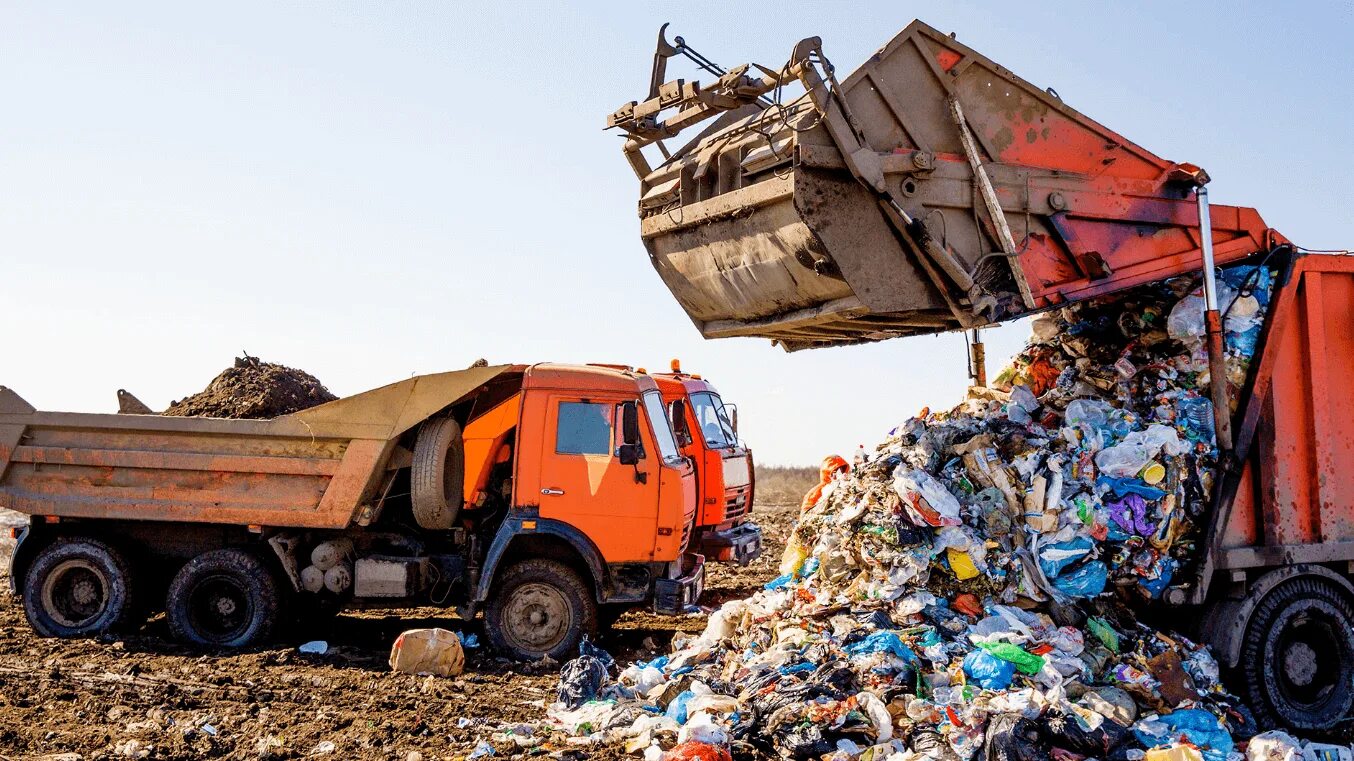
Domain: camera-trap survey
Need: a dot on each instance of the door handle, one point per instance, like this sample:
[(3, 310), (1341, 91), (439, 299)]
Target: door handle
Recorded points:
[(552, 492)]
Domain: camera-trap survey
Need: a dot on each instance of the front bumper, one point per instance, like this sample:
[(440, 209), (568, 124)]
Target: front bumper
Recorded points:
[(741, 544), (672, 596)]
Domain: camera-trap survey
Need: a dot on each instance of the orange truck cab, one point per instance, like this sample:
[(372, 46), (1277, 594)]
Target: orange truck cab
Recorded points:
[(707, 430)]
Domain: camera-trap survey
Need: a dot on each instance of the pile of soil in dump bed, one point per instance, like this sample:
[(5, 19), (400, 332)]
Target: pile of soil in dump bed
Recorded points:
[(254, 389)]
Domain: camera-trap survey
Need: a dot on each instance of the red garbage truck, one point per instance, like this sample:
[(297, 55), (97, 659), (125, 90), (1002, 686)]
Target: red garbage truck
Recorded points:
[(932, 190)]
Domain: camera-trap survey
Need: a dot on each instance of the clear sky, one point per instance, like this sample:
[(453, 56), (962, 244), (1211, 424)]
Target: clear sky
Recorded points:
[(373, 190)]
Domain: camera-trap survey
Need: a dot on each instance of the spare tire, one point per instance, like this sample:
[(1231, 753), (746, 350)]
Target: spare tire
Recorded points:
[(437, 478)]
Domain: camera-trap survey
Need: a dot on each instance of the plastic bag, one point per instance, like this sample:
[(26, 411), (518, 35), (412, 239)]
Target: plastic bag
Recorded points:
[(1128, 457), (1053, 558), (927, 500), (1087, 581), (989, 671), (1024, 661), (1274, 745), (1197, 725), (882, 642)]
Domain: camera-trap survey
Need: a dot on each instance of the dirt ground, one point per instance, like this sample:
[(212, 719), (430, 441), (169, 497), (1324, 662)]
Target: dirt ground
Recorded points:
[(146, 697)]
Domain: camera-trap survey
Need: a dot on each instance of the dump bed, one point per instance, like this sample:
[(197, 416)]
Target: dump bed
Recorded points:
[(930, 190), (320, 468)]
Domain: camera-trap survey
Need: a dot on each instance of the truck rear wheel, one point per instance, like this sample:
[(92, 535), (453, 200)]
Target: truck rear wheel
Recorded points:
[(223, 598), (540, 608), (1297, 656), (79, 587), (437, 478)]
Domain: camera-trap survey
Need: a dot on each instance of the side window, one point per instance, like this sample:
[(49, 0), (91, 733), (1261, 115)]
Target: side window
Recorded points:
[(584, 428)]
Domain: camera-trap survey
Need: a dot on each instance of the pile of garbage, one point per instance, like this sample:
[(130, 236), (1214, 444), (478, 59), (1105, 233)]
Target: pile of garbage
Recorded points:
[(970, 591), (256, 390)]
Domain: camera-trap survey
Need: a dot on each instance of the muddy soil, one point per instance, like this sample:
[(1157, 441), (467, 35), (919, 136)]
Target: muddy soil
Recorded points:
[(144, 696), (254, 389)]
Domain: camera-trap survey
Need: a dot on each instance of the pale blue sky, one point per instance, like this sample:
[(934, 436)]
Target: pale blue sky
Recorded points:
[(373, 190)]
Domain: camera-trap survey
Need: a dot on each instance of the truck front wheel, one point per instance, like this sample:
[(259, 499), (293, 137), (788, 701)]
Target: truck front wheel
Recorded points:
[(79, 587), (1297, 656), (540, 608), (223, 598)]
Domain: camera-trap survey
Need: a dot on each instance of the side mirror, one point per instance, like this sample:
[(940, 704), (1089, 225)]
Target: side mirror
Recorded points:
[(630, 424), (628, 454), (733, 418), (677, 413)]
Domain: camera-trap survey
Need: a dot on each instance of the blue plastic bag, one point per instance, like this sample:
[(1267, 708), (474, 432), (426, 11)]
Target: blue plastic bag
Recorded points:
[(1053, 558), (677, 708), (1126, 486), (1165, 569), (988, 671), (882, 642), (1196, 725), (1086, 581)]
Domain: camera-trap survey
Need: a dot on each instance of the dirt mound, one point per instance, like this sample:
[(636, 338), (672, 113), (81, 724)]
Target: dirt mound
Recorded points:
[(254, 389)]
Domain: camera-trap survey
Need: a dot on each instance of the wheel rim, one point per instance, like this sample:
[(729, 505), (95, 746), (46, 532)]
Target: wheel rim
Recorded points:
[(75, 593), (1310, 652), (537, 617), (220, 608)]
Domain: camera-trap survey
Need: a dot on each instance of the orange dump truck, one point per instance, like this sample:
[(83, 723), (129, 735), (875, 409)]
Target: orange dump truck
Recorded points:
[(537, 494), (707, 431), (933, 189)]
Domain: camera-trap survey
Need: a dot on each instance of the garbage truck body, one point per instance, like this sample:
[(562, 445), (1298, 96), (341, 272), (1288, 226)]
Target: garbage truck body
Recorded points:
[(532, 493), (707, 431), (934, 190)]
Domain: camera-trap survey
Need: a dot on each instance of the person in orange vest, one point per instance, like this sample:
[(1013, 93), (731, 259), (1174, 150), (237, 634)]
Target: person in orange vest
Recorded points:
[(832, 465)]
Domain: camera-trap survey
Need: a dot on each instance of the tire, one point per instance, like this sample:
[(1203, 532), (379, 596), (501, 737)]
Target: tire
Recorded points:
[(539, 608), (437, 478), (1297, 656), (80, 587), (224, 598)]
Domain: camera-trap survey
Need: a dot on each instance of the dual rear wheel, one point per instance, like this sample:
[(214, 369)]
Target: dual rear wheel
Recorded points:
[(85, 587)]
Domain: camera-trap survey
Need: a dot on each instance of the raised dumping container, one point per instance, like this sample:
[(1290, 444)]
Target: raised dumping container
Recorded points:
[(930, 190)]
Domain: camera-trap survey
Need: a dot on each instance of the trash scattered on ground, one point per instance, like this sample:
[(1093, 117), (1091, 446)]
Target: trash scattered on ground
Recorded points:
[(254, 389), (970, 589), (314, 647), (428, 651)]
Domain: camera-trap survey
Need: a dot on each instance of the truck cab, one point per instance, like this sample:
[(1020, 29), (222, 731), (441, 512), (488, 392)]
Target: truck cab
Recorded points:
[(707, 431)]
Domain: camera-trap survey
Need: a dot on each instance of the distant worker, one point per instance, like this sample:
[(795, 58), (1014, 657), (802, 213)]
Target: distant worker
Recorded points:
[(861, 457), (832, 465)]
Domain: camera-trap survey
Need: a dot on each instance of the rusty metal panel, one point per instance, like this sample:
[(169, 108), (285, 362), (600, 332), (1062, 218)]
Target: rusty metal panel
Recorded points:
[(1296, 492)]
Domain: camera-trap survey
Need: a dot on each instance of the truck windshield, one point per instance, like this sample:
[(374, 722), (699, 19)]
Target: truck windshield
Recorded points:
[(667, 443), (713, 420)]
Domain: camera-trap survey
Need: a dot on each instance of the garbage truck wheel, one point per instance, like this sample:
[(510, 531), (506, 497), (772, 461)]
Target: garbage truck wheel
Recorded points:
[(79, 587), (1297, 656), (223, 598), (437, 478), (540, 608)]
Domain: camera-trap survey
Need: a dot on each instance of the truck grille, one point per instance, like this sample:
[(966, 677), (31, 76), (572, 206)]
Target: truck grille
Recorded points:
[(736, 504), (686, 535)]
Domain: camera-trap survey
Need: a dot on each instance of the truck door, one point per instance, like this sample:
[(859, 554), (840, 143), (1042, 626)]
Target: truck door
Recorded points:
[(583, 483)]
